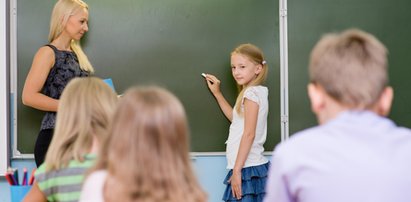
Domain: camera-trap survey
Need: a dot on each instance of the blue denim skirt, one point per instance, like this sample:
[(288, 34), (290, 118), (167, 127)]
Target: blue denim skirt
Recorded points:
[(253, 183)]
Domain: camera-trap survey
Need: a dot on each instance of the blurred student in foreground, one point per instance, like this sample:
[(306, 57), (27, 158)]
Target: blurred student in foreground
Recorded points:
[(147, 158), (356, 154), (85, 108)]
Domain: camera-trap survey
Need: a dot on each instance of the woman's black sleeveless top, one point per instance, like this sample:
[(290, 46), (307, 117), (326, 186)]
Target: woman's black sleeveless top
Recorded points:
[(66, 67)]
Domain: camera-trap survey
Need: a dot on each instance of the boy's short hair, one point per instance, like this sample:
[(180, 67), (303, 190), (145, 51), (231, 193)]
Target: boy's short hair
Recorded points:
[(351, 66)]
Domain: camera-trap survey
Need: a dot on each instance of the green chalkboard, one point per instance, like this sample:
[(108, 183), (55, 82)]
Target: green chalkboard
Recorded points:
[(167, 43), (389, 21)]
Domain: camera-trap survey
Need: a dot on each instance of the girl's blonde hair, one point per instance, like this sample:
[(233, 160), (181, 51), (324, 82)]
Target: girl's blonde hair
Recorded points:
[(254, 54), (84, 111), (63, 9), (147, 152)]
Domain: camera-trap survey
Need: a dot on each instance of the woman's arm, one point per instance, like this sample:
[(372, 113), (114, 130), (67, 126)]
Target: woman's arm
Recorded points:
[(250, 125), (214, 86), (42, 63), (35, 195)]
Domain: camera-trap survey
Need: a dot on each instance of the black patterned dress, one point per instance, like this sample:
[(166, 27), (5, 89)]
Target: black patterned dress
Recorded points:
[(66, 67)]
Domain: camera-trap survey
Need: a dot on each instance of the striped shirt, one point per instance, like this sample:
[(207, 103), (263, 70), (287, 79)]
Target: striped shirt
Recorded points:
[(65, 184)]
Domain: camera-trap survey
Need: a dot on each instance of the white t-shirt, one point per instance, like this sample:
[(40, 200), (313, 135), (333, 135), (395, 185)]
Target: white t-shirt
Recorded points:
[(93, 187), (259, 95)]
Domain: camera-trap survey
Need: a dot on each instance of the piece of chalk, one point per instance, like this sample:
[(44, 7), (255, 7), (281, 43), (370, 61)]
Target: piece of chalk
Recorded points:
[(205, 76)]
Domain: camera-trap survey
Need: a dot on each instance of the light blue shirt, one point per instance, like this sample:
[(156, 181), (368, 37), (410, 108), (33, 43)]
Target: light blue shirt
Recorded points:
[(356, 157)]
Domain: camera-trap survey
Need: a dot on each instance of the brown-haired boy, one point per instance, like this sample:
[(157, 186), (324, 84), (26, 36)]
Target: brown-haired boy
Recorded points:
[(356, 153)]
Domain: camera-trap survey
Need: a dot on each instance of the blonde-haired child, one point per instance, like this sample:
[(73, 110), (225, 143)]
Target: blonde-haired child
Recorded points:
[(248, 131), (85, 108), (54, 65), (146, 157), (356, 153)]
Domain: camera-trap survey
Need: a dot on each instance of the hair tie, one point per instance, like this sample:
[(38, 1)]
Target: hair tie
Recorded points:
[(263, 62)]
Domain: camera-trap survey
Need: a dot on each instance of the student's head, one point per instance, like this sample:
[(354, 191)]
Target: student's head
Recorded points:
[(147, 156), (249, 67), (351, 68), (84, 111), (251, 58), (71, 18)]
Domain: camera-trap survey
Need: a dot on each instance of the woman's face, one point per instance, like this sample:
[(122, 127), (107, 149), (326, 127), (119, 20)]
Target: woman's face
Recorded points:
[(77, 24)]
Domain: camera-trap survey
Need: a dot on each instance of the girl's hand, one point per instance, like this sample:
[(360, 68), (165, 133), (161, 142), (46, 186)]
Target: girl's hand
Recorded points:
[(235, 182), (214, 86), (213, 83)]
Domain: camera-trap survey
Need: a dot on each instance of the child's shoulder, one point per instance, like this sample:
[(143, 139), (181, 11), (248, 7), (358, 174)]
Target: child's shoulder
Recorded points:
[(41, 169), (260, 87), (98, 174), (257, 89), (256, 93)]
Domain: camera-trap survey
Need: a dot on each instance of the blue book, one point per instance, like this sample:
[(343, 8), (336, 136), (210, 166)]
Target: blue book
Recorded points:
[(109, 82)]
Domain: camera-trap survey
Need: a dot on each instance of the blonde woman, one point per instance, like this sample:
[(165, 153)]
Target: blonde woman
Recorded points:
[(54, 65), (85, 108), (146, 156)]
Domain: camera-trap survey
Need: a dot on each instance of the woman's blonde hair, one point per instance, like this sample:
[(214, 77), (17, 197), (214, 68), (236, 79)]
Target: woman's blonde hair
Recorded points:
[(147, 152), (84, 111), (62, 11), (255, 55)]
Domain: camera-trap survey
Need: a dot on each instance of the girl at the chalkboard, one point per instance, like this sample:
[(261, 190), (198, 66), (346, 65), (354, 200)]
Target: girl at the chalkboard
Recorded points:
[(54, 65), (248, 167)]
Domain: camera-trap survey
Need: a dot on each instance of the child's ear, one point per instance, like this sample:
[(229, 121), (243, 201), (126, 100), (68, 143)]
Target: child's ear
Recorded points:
[(383, 105), (316, 95), (258, 70)]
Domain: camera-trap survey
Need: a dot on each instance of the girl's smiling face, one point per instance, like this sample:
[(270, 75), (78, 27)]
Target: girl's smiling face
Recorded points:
[(243, 69)]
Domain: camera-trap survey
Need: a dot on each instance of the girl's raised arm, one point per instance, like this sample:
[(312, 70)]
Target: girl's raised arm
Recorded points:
[(214, 85)]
